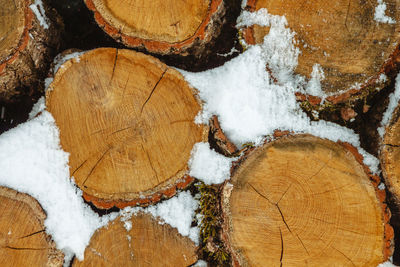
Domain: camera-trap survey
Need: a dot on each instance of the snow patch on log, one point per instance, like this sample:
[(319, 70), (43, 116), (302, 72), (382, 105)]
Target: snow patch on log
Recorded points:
[(209, 166), (394, 99), (32, 162), (380, 15), (38, 10), (252, 102)]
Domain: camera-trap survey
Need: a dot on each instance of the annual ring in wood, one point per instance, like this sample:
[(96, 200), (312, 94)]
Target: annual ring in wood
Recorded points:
[(23, 240), (127, 121), (305, 201), (162, 27), (352, 48), (139, 241)]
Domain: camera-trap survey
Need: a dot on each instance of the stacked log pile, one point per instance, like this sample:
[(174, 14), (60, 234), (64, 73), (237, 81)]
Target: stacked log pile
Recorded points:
[(127, 121)]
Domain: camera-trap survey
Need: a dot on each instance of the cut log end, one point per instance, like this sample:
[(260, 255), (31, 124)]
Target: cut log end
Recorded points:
[(390, 155), (26, 45), (23, 241), (302, 200), (128, 122), (331, 34), (139, 241), (180, 26)]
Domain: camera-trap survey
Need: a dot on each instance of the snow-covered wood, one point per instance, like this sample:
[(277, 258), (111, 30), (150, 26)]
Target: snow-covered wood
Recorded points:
[(163, 27), (138, 241), (23, 240), (302, 200), (347, 44), (128, 122), (29, 34)]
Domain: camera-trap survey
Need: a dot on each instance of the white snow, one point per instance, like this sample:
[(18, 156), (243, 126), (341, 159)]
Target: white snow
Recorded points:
[(380, 15), (386, 264), (200, 263), (31, 161), (247, 101), (394, 99), (178, 212), (60, 59), (209, 166), (38, 10)]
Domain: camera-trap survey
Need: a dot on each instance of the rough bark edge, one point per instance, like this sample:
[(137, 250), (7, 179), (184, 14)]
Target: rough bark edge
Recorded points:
[(22, 72), (237, 259), (152, 196), (55, 256), (219, 140), (207, 30), (383, 153), (390, 67), (163, 190)]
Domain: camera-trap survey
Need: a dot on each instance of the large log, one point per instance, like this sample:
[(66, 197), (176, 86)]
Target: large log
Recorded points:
[(352, 48), (305, 201), (26, 45), (162, 27), (128, 122), (23, 241), (139, 241)]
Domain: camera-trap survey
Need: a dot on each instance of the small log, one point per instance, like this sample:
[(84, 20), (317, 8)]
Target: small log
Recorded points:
[(26, 46), (127, 121), (139, 241), (23, 240), (305, 201), (343, 38), (390, 155), (161, 27)]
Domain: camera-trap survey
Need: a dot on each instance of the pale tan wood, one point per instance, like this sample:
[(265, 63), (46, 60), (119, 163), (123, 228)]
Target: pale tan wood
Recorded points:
[(390, 155), (164, 27), (23, 241), (342, 36), (127, 120), (304, 201), (147, 243), (26, 47)]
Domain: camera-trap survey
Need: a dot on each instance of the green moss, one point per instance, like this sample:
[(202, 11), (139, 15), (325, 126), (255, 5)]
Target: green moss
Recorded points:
[(211, 224)]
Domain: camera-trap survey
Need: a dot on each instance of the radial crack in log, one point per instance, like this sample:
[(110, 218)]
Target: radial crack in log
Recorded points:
[(21, 244), (347, 211), (124, 143)]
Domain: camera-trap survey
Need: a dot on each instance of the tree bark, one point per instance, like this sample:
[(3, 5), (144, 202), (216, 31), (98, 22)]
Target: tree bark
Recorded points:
[(23, 241), (301, 200), (27, 46), (127, 121), (343, 37), (161, 27), (139, 241)]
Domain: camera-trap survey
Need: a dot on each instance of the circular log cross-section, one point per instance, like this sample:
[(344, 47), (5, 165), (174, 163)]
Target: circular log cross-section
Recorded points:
[(305, 201), (161, 26), (139, 241), (23, 241), (128, 122), (390, 155), (25, 45), (343, 37)]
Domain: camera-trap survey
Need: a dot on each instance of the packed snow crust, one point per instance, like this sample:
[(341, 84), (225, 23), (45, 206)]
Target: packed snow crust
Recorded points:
[(209, 166), (250, 105), (38, 10), (380, 15), (394, 99)]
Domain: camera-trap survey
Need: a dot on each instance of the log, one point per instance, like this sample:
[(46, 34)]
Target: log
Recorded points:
[(23, 240), (27, 45), (139, 241), (127, 121), (161, 27), (302, 200), (390, 155), (343, 38)]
